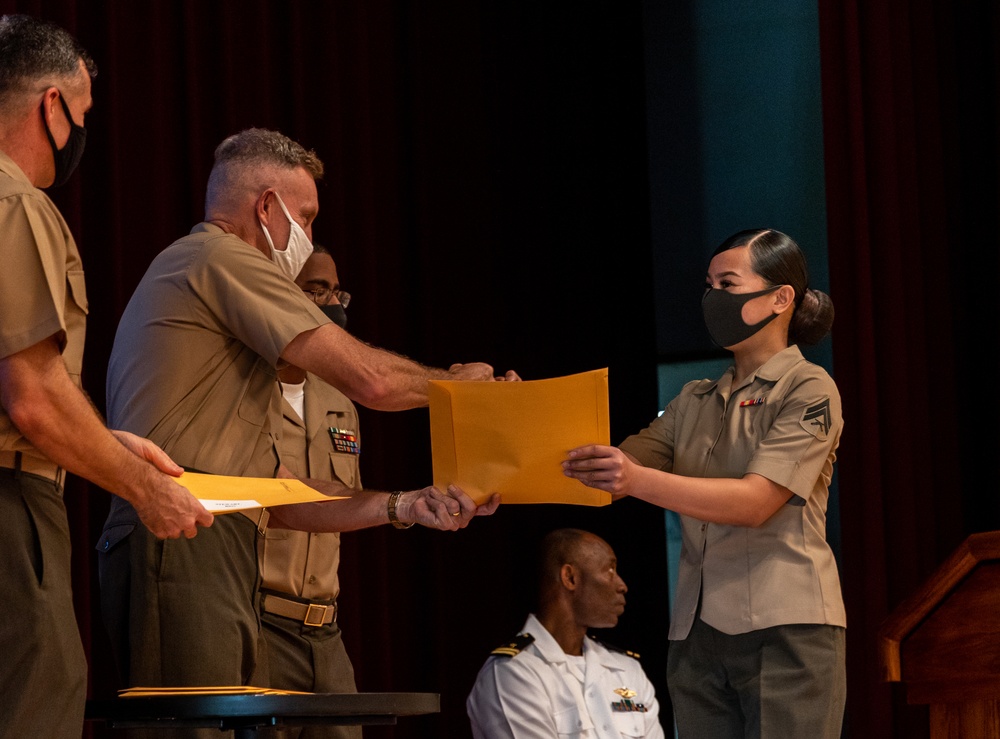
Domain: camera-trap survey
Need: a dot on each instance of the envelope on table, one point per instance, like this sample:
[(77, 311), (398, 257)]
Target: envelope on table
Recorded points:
[(140, 692), (511, 437), (225, 493)]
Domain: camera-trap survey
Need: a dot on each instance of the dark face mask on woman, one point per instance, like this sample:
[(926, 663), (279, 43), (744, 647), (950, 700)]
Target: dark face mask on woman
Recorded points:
[(68, 157), (723, 312), (336, 313)]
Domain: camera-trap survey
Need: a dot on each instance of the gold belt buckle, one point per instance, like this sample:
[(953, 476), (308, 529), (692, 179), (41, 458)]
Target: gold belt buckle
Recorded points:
[(310, 620), (265, 516)]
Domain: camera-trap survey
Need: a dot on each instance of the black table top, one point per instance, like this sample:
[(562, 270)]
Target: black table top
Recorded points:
[(255, 710)]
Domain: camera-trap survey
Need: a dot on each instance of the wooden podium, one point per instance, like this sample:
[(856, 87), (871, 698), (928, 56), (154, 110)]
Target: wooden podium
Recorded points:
[(943, 642)]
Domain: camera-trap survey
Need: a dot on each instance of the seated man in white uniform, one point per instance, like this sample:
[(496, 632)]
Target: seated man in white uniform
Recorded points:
[(553, 679)]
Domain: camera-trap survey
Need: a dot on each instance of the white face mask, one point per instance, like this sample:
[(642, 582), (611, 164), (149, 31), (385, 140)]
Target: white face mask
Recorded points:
[(299, 247)]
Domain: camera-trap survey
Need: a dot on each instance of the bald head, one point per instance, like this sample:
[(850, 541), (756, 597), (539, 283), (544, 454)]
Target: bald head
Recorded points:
[(579, 584), (559, 547)]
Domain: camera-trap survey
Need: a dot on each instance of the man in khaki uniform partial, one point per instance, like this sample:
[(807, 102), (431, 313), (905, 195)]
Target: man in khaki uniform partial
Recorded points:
[(194, 368), (47, 425), (299, 583)]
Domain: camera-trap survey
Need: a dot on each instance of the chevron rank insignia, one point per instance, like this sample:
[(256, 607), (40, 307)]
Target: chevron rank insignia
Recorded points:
[(816, 419)]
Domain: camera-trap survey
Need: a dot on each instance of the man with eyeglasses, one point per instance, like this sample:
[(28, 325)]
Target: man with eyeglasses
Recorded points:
[(47, 424), (194, 368), (320, 438)]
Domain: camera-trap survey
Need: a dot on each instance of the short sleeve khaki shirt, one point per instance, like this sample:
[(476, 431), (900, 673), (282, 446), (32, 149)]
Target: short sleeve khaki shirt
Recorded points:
[(784, 423), (194, 361), (42, 291), (325, 446)]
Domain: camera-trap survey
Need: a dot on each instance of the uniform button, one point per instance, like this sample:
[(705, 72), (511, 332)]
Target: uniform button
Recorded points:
[(704, 526), (312, 578)]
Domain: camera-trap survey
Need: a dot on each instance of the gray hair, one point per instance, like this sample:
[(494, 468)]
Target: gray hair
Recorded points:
[(35, 54), (245, 161)]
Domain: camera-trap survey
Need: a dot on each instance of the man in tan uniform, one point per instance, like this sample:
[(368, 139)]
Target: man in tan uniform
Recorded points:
[(47, 425), (193, 368), (320, 439)]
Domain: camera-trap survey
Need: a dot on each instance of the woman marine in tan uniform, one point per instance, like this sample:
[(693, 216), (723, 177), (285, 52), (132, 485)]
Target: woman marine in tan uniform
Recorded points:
[(757, 632)]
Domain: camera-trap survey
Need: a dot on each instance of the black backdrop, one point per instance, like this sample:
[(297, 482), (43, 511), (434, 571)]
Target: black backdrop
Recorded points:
[(487, 200)]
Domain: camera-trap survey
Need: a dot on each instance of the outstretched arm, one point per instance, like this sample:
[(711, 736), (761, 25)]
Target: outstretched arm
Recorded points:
[(746, 501), (362, 509), (374, 377)]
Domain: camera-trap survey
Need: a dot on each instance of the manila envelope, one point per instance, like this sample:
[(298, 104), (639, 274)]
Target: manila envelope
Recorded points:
[(511, 437), (226, 493)]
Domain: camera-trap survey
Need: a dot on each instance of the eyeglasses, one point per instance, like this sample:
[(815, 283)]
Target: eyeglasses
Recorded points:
[(322, 295)]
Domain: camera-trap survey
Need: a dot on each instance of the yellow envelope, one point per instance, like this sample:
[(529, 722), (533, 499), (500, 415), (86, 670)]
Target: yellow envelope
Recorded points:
[(211, 690), (511, 437), (225, 493)]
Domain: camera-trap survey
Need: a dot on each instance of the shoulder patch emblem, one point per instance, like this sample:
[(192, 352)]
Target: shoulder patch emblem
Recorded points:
[(514, 646), (816, 419)]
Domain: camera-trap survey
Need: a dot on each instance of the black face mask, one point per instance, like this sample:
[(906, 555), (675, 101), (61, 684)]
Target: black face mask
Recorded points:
[(68, 157), (336, 313), (723, 312)]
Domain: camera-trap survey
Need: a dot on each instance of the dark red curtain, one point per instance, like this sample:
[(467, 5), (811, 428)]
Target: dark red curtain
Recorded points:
[(486, 199), (910, 92)]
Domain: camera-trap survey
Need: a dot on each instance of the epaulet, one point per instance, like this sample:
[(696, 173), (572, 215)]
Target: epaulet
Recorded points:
[(613, 648), (515, 645)]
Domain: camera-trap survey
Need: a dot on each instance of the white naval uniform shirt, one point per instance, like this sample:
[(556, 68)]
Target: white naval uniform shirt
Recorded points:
[(536, 694)]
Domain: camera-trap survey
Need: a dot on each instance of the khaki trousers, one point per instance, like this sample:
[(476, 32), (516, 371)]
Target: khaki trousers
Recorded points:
[(183, 612), (312, 659), (43, 670), (785, 682)]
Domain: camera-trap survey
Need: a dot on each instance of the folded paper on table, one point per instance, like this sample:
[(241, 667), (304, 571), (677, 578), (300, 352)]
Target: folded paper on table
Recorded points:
[(225, 493), (209, 690), (512, 437)]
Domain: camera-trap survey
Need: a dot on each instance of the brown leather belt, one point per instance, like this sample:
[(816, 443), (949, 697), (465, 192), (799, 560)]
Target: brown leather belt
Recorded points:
[(20, 462), (310, 614)]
